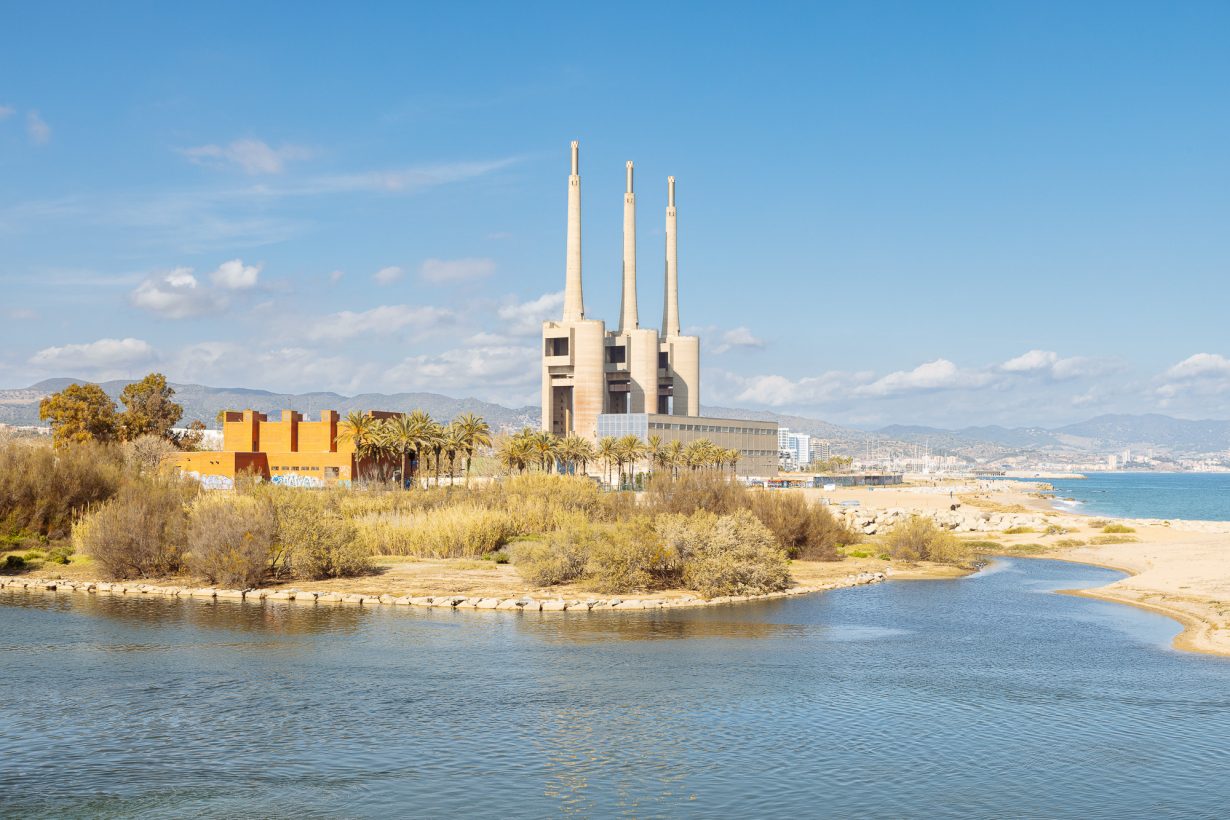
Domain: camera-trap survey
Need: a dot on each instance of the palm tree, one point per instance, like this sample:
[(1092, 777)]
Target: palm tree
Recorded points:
[(656, 450), (582, 451), (362, 431), (454, 444), (475, 433), (732, 458), (546, 444), (608, 451), (675, 457), (628, 450), (433, 442), (401, 434)]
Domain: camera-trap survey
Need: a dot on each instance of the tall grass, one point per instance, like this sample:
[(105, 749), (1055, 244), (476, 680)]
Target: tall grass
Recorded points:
[(42, 489)]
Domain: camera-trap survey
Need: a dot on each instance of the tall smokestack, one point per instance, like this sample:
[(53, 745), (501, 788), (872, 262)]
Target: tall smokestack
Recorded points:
[(627, 310), (574, 303), (670, 305)]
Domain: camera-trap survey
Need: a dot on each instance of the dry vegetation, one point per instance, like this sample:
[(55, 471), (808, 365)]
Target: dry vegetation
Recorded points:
[(700, 530)]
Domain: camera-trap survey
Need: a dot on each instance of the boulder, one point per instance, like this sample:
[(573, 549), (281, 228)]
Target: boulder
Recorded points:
[(231, 594), (554, 605), (487, 603)]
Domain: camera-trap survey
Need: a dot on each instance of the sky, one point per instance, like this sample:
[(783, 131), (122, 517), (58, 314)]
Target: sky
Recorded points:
[(917, 213)]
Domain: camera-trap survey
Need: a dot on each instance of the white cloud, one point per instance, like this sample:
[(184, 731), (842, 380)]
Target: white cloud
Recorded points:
[(456, 270), (252, 156), (176, 295), (336, 276), (940, 374), (1049, 363), (105, 355), (21, 314), (737, 337), (6, 111), (1201, 374), (468, 369), (235, 275), (1031, 362), (403, 180), (1200, 366), (37, 128), (526, 318), (381, 320), (387, 276)]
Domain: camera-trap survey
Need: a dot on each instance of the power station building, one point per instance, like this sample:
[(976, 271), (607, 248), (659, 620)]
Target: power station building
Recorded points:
[(633, 379)]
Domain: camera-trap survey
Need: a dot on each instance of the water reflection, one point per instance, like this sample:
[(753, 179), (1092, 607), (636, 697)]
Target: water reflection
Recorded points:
[(955, 698)]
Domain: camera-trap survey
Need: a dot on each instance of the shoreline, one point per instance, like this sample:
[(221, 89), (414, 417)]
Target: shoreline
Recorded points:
[(522, 603)]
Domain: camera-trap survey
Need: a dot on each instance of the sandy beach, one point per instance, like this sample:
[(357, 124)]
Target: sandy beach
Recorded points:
[(1178, 568)]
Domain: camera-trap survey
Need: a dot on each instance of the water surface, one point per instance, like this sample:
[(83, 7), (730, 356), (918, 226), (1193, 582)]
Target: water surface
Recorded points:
[(1189, 496), (986, 696)]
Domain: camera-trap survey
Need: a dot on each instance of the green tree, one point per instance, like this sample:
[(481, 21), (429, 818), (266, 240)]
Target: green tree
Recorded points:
[(362, 431), (149, 408), (80, 413), (475, 433)]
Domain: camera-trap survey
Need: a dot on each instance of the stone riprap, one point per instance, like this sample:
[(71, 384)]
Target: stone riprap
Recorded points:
[(871, 521), (450, 601)]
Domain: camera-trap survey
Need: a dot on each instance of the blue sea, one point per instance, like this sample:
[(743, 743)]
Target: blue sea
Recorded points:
[(1189, 496)]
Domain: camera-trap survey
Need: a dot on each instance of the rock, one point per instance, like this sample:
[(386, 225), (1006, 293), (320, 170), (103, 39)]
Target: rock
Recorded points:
[(554, 605), (531, 605), (305, 597), (281, 595), (353, 598), (509, 603), (386, 599), (404, 600), (421, 601), (487, 603), (203, 592), (630, 605), (328, 598), (230, 594)]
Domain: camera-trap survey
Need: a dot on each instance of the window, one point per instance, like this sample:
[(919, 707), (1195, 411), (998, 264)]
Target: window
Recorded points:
[(616, 354), (557, 346), (664, 360)]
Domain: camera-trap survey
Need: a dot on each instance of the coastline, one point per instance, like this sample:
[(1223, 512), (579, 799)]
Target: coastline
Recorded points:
[(1177, 568), (810, 577)]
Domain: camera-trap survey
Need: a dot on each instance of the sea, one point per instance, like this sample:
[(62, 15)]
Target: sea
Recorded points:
[(1187, 496), (985, 696)]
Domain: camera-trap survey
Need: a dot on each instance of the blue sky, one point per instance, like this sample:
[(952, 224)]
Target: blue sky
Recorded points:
[(948, 214)]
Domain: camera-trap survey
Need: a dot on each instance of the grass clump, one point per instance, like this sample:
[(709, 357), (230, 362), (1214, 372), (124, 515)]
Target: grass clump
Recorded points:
[(1070, 542), (312, 538), (1054, 529), (1119, 529), (1098, 523), (983, 544), (464, 531), (1102, 540), (1019, 530), (918, 539)]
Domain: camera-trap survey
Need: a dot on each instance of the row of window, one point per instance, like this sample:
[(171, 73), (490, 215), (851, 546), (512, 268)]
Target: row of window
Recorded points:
[(707, 428)]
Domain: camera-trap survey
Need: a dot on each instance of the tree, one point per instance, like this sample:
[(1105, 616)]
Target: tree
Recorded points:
[(433, 440), (608, 450), (361, 430), (190, 440), (475, 433), (80, 413), (148, 408), (454, 445)]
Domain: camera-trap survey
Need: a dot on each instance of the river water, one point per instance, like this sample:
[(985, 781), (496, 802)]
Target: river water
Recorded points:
[(985, 696)]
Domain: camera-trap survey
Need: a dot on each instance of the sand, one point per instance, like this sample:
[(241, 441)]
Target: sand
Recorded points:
[(1178, 568)]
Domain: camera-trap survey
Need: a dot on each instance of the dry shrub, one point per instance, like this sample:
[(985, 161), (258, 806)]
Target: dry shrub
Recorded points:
[(726, 554), (464, 531), (1118, 529), (41, 489), (695, 491), (559, 558), (312, 538), (631, 556), (146, 454), (1102, 540), (230, 539), (804, 530), (918, 539), (140, 532)]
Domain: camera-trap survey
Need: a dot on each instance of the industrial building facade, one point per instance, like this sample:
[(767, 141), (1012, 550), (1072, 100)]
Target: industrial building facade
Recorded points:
[(290, 451), (593, 379)]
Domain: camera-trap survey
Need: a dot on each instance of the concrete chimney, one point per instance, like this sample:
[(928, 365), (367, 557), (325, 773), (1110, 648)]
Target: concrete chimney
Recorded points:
[(670, 305), (574, 302), (627, 311)]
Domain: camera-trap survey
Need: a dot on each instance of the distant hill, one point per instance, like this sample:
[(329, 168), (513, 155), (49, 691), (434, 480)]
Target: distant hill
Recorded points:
[(812, 427), (203, 403), (1100, 434)]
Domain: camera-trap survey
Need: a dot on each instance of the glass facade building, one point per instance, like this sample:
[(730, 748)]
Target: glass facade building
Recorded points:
[(756, 441)]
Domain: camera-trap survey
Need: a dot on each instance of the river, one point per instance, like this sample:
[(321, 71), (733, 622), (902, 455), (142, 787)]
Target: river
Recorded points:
[(985, 696)]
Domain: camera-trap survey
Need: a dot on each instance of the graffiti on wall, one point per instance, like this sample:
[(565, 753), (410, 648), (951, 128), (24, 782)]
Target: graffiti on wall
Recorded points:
[(213, 482), (297, 480)]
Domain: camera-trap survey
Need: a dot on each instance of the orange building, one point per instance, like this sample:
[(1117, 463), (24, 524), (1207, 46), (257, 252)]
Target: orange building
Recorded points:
[(291, 451)]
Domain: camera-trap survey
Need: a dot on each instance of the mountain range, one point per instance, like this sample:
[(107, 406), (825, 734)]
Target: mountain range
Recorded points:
[(1103, 434)]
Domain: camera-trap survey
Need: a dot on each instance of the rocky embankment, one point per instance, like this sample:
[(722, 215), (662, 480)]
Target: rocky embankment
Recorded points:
[(871, 521), (526, 603)]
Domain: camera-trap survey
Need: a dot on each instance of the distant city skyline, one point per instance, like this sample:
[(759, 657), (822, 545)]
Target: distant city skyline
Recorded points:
[(944, 215)]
